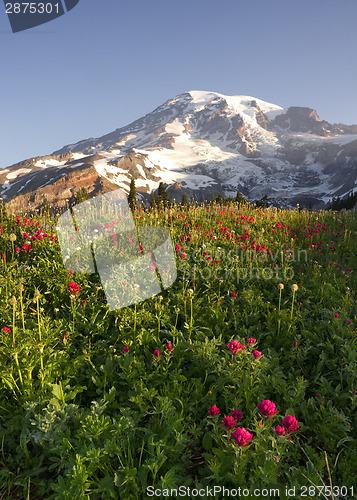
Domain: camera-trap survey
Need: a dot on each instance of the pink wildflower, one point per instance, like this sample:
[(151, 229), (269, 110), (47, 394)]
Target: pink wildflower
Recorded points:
[(234, 346), (241, 436), (290, 423), (229, 423), (213, 410), (237, 415), (280, 430), (267, 408), (73, 287)]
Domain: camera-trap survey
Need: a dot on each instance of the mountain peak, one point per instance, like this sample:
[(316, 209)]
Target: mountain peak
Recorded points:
[(205, 142)]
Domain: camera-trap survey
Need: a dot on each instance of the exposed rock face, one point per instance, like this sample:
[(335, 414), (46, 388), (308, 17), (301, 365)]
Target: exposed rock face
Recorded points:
[(63, 189), (200, 143), (306, 120)]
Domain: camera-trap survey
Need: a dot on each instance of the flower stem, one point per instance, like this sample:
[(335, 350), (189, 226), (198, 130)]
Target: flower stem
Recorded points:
[(292, 305)]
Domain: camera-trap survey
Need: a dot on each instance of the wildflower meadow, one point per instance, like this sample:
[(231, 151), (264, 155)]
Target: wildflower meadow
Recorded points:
[(241, 374)]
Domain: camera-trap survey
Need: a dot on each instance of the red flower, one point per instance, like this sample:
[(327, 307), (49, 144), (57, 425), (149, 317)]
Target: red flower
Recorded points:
[(213, 410), (290, 423), (6, 329), (234, 346), (169, 347), (280, 430), (267, 408), (241, 436), (156, 353), (229, 423), (257, 354), (73, 287), (125, 349), (237, 415)]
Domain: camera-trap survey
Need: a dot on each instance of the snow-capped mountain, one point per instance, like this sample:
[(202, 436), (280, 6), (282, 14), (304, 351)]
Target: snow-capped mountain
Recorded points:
[(201, 143)]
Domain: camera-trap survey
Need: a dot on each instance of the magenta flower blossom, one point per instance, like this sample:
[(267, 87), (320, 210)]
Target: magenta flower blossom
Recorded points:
[(213, 410), (229, 423), (267, 408), (290, 423), (251, 341), (6, 329), (156, 353), (125, 349), (234, 346), (234, 294), (169, 347), (74, 288), (280, 430), (257, 354), (336, 315), (237, 415), (241, 436), (294, 343)]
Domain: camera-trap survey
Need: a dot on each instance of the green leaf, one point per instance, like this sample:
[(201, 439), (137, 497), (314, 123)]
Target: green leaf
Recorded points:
[(207, 441)]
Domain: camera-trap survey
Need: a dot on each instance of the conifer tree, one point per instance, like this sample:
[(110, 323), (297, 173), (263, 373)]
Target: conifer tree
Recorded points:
[(162, 199), (263, 202), (239, 197), (132, 196), (184, 201), (212, 199), (152, 200), (220, 198), (45, 207)]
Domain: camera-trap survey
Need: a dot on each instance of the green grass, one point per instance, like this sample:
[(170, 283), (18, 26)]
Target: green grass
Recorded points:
[(80, 418)]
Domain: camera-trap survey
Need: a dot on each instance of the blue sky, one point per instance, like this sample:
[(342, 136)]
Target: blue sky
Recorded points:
[(108, 62)]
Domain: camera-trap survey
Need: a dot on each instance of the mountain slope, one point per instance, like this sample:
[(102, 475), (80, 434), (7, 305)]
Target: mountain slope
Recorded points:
[(202, 143)]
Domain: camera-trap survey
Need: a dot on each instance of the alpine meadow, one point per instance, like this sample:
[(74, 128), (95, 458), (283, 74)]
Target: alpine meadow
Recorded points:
[(242, 374)]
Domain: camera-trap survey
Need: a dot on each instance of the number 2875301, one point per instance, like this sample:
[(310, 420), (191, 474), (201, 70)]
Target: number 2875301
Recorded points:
[(32, 8)]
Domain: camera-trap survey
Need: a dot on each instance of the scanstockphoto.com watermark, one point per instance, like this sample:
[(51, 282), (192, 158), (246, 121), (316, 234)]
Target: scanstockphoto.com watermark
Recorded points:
[(246, 255), (238, 274), (214, 491), (239, 265)]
